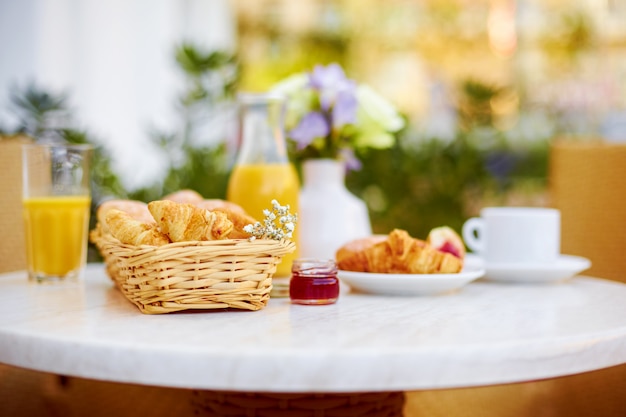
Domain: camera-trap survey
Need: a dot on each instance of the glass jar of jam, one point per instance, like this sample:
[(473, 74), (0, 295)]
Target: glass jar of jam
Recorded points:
[(314, 281)]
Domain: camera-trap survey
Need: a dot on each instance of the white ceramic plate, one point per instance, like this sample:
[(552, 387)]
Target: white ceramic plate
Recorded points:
[(566, 266), (410, 284)]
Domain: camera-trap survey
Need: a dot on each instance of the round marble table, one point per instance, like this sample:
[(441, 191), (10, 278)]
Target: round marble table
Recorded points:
[(486, 333)]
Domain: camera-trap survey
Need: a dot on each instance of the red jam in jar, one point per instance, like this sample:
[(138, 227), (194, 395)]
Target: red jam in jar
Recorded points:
[(314, 281)]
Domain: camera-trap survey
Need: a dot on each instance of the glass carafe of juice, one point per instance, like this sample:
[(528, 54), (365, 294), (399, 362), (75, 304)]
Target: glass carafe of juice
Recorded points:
[(262, 170)]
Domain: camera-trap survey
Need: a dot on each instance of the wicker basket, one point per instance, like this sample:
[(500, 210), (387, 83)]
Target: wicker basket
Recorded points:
[(234, 273)]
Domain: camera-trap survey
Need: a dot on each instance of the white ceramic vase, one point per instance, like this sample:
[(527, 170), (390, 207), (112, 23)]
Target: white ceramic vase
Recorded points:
[(329, 215)]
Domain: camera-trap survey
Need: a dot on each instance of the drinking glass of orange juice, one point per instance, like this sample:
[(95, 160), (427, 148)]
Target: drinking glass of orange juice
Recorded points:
[(56, 201)]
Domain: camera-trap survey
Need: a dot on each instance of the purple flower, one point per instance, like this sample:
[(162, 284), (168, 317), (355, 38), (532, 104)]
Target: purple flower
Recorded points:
[(312, 126), (344, 110), (333, 116), (330, 81), (327, 76), (352, 162)]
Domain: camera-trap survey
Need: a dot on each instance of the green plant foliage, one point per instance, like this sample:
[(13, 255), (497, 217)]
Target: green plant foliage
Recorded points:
[(420, 188), (205, 171), (433, 183), (210, 76), (38, 111), (474, 106), (425, 182)]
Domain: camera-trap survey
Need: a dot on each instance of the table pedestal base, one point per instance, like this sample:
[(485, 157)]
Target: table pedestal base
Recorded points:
[(238, 404)]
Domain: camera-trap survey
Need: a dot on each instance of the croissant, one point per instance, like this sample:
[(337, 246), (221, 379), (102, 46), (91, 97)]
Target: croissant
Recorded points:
[(138, 210), (353, 256), (184, 196), (133, 232), (397, 253), (183, 222), (415, 256), (235, 213)]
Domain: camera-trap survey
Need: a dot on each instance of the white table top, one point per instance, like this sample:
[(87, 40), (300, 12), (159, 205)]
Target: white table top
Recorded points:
[(486, 333)]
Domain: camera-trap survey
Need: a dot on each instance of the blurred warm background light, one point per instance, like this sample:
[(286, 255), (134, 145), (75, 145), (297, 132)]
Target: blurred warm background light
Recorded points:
[(485, 85)]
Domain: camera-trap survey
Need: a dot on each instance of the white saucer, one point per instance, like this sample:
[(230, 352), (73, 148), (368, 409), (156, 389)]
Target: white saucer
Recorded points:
[(566, 266), (410, 284)]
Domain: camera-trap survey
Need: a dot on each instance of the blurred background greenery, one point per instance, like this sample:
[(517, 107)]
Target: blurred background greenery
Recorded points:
[(485, 86)]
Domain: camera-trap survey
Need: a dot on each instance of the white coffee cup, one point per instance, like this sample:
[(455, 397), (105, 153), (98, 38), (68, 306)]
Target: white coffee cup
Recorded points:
[(515, 234)]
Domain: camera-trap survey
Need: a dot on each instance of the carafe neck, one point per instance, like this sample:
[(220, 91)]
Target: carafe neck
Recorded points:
[(262, 129)]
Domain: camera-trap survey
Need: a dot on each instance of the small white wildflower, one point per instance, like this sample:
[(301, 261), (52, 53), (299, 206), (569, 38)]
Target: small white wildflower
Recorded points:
[(278, 224)]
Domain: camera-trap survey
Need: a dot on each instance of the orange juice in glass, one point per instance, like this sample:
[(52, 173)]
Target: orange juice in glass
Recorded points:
[(56, 204), (56, 232), (254, 186)]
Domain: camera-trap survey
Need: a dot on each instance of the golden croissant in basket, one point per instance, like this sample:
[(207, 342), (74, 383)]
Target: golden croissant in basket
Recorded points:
[(165, 221), (399, 253)]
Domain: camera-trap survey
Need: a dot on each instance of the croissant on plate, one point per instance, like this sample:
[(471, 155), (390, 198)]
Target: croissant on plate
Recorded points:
[(397, 253)]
